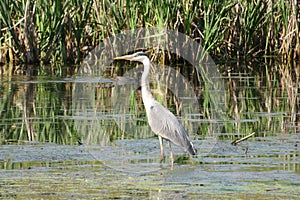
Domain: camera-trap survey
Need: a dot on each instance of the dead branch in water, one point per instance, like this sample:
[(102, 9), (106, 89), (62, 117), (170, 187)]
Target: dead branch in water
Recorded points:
[(235, 142)]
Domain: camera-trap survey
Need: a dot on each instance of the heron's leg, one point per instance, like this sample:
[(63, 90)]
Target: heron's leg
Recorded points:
[(162, 154), (171, 154)]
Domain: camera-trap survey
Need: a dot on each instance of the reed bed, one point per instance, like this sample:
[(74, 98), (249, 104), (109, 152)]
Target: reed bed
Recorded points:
[(65, 31)]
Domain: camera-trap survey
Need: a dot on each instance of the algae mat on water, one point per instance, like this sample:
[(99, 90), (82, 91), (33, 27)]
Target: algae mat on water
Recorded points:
[(269, 169)]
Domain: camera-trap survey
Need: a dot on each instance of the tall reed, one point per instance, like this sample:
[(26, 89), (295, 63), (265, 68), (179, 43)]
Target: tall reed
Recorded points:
[(51, 31)]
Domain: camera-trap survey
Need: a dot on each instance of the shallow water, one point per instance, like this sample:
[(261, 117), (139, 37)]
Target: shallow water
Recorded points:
[(268, 168), (90, 139)]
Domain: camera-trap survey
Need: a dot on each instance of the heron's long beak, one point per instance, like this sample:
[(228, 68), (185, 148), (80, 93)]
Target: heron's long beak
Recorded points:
[(127, 57)]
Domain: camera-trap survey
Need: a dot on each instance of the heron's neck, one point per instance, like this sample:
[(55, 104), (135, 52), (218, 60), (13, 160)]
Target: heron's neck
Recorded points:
[(146, 94), (145, 73)]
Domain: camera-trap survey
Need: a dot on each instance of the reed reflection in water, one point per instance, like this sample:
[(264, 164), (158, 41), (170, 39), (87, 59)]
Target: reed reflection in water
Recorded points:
[(100, 110)]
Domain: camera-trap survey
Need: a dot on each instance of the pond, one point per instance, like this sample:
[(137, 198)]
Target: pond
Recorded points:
[(85, 137)]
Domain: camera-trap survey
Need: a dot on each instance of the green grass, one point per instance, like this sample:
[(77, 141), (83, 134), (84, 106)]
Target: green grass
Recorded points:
[(65, 31)]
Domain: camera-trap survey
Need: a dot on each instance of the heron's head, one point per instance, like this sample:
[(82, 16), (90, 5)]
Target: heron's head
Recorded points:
[(138, 56)]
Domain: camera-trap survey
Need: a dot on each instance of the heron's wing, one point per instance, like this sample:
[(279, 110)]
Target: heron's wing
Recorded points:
[(165, 124)]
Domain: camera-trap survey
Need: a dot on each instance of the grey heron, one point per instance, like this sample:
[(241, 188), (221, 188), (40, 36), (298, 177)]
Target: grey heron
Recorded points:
[(162, 122)]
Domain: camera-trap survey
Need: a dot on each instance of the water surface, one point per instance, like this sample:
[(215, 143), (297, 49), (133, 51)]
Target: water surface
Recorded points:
[(58, 143)]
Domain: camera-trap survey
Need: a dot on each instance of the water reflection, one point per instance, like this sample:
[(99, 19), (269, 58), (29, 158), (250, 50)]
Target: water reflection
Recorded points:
[(36, 108), (101, 110), (272, 100)]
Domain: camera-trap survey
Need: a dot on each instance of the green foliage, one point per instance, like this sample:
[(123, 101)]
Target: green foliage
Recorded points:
[(67, 30)]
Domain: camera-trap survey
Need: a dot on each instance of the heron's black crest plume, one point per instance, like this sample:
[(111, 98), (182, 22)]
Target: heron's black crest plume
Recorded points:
[(141, 53)]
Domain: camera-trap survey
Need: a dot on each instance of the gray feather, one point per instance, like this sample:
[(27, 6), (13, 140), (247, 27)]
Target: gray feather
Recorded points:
[(165, 124)]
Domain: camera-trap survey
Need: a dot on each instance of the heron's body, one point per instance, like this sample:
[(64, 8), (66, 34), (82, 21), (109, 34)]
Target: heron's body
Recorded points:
[(161, 120)]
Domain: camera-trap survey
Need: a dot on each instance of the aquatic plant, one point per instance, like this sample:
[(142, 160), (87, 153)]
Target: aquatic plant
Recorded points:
[(52, 31)]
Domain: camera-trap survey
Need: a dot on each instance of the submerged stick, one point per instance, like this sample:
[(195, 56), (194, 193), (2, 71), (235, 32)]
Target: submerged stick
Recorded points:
[(235, 142)]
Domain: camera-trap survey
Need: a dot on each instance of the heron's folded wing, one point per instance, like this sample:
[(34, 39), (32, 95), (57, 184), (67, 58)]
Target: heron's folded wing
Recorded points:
[(165, 124)]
